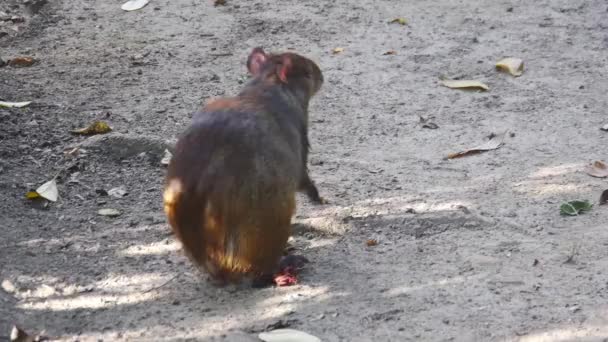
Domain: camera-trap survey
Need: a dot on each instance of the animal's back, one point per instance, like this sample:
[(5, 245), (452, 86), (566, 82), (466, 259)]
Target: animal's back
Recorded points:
[(230, 191)]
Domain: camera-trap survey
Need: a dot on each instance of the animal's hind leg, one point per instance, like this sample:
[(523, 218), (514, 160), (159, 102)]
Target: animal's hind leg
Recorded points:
[(308, 186)]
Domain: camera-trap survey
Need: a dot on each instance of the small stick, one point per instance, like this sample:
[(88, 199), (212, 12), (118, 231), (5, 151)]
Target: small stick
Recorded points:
[(161, 285)]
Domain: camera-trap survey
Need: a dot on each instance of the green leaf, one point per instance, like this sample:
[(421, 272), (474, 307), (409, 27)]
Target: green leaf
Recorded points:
[(574, 208)]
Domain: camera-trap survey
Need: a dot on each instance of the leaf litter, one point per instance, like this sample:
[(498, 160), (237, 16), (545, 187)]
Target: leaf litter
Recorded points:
[(574, 208), (494, 143), (97, 127), (47, 191), (513, 66), (400, 21), (134, 5), (597, 169), (287, 335), (465, 84), (14, 104)]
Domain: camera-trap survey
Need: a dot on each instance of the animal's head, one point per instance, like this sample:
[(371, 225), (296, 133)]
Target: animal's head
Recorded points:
[(289, 68)]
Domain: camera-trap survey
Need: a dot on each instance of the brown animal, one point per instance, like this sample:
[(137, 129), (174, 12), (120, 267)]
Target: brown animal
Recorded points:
[(231, 184)]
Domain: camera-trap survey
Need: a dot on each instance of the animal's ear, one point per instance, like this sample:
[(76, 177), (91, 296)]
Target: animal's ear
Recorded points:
[(284, 69), (256, 60)]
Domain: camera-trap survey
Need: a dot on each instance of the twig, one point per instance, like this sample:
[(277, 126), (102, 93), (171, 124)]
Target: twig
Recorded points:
[(161, 285)]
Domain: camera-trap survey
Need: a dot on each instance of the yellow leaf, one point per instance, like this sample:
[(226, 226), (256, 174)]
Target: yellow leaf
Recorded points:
[(32, 195), (513, 66), (464, 84), (400, 21), (337, 50), (97, 127)]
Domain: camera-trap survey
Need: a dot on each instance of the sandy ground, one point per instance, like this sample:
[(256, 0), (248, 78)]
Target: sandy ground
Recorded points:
[(471, 249)]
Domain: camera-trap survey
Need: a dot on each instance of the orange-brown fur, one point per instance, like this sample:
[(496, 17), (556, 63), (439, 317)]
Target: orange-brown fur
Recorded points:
[(230, 189)]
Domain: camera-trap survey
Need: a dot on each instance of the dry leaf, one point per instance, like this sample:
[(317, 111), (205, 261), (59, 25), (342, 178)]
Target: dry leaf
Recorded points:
[(287, 335), (371, 242), (47, 190), (14, 104), (134, 5), (390, 52), (219, 3), (597, 169), (97, 127), (604, 197), (18, 335), (464, 84), (32, 195), (337, 50), (513, 66), (21, 62), (108, 212), (166, 158), (491, 144), (400, 21)]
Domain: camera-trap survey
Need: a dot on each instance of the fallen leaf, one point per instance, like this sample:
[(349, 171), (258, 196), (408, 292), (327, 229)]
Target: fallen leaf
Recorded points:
[(464, 84), (109, 212), (287, 335), (597, 169), (32, 195), (337, 50), (604, 128), (14, 104), (489, 145), (21, 62), (97, 127), (430, 125), (371, 242), (604, 197), (118, 192), (47, 190), (219, 3), (389, 52), (574, 208), (134, 5), (400, 21), (166, 158), (18, 335), (513, 66)]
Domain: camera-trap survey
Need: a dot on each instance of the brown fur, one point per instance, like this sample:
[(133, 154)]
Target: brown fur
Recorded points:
[(230, 188)]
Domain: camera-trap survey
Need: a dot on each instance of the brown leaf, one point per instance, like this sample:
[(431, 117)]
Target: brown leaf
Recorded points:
[(219, 3), (489, 145), (597, 169), (371, 242), (21, 62), (389, 52), (604, 197)]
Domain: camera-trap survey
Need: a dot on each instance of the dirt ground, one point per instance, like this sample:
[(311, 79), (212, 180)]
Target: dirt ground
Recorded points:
[(470, 249)]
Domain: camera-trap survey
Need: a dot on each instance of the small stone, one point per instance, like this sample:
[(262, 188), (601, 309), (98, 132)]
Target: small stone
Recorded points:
[(109, 212), (118, 192)]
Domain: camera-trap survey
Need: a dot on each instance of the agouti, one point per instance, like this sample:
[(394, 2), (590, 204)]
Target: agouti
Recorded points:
[(231, 184)]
